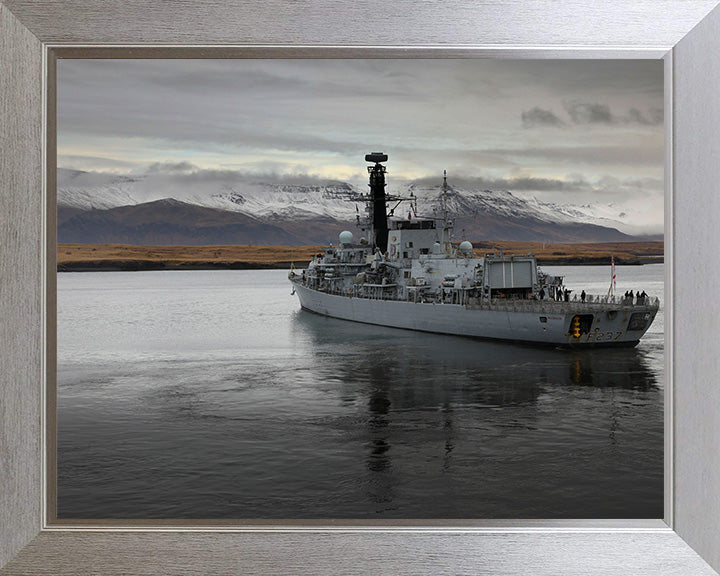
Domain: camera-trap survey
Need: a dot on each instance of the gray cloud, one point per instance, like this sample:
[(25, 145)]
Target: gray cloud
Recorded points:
[(171, 168), (654, 117), (319, 105), (81, 162), (589, 113), (539, 117), (597, 113), (229, 177), (650, 154), (524, 184)]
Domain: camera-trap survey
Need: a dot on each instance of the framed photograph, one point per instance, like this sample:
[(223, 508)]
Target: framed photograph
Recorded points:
[(684, 541), (385, 369)]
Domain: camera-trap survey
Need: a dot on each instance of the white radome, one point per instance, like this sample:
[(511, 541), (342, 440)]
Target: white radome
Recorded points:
[(465, 248), (346, 237)]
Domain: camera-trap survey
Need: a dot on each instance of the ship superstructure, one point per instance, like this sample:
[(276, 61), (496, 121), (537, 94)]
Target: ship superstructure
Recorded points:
[(406, 272)]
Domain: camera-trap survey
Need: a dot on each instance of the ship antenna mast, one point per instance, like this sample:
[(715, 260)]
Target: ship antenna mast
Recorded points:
[(444, 199), (447, 225)]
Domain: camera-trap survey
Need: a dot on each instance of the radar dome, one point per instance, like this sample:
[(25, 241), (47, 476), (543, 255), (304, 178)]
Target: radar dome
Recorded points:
[(346, 237), (465, 248)]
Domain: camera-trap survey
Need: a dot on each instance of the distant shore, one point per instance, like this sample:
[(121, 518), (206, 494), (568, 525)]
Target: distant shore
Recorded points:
[(124, 257)]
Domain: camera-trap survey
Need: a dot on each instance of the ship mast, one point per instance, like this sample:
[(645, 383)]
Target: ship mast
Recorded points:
[(377, 204), (447, 224), (443, 197)]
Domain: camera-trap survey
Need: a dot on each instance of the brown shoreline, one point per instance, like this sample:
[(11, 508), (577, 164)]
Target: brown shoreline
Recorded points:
[(124, 257)]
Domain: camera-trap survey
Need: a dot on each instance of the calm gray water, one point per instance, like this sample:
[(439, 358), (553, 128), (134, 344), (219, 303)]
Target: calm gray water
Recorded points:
[(210, 394)]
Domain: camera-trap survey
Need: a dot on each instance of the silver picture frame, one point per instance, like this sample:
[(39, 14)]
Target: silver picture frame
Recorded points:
[(685, 33)]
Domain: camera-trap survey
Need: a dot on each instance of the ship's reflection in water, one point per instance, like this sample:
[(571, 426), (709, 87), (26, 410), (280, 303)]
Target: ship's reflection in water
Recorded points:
[(477, 372), (489, 429)]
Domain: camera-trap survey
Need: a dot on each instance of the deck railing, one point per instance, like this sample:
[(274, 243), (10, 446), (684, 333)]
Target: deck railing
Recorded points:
[(546, 306), (592, 303)]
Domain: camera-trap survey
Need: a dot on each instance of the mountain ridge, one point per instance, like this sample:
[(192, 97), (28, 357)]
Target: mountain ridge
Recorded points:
[(216, 207)]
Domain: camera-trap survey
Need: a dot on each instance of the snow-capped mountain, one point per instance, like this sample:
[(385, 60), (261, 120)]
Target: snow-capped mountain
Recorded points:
[(210, 189), (98, 207), (93, 190)]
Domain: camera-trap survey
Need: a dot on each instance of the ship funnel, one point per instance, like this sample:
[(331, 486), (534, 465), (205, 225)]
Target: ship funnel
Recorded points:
[(378, 200)]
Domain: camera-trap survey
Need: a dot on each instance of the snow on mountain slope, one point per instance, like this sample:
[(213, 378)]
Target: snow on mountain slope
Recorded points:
[(504, 204), (274, 199), (94, 191), (495, 202), (221, 190)]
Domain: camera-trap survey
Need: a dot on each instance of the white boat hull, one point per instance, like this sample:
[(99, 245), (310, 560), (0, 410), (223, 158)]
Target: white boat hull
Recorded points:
[(538, 322)]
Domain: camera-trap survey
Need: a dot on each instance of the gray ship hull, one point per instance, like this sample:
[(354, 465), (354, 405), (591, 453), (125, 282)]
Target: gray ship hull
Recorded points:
[(536, 322)]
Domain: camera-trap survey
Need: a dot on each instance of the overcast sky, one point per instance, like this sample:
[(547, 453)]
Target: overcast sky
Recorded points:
[(578, 131)]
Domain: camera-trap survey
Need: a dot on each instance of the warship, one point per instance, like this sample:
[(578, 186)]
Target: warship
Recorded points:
[(406, 272)]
